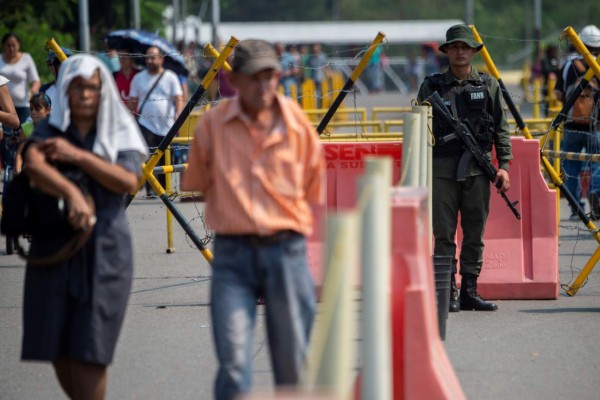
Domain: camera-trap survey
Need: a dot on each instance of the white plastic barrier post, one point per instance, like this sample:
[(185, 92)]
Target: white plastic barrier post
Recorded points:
[(430, 168), (331, 359), (425, 143), (410, 150), (423, 136), (375, 207)]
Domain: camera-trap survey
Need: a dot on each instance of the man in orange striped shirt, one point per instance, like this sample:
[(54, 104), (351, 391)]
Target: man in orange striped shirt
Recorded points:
[(259, 163)]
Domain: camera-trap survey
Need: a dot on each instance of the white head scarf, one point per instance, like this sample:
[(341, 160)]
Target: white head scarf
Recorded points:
[(116, 129)]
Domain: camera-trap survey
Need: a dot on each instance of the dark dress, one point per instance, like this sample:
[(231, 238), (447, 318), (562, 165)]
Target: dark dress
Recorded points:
[(75, 310)]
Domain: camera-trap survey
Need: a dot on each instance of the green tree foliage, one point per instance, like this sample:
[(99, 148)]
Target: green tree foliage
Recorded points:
[(36, 21), (34, 32)]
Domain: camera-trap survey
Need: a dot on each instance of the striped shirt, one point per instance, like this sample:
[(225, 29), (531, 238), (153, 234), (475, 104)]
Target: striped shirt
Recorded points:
[(256, 181)]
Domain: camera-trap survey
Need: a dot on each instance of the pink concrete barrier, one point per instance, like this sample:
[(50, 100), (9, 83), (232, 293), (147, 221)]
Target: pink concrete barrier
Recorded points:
[(344, 165), (421, 367), (520, 260), (520, 257)]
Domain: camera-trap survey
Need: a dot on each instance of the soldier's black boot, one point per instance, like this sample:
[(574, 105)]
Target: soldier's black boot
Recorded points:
[(454, 302), (469, 299)]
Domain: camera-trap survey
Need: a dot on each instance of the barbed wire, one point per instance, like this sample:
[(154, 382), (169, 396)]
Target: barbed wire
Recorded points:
[(567, 286)]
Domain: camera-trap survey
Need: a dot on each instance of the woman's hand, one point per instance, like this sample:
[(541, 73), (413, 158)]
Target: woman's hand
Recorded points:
[(57, 149), (81, 214)]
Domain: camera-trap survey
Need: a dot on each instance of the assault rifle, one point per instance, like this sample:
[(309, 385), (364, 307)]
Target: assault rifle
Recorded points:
[(464, 132)]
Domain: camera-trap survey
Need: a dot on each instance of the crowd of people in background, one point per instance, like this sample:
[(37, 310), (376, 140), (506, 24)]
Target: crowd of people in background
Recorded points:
[(581, 133), (298, 63)]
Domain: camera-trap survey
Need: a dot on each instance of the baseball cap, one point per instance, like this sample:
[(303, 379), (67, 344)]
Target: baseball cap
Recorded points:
[(460, 33), (253, 55)]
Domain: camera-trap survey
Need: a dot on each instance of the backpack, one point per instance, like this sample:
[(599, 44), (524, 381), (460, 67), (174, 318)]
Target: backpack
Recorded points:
[(584, 110)]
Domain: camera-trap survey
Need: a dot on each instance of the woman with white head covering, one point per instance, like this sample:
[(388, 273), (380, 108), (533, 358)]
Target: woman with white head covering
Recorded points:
[(73, 311)]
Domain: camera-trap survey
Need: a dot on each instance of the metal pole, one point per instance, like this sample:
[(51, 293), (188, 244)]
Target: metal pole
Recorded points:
[(201, 14), (84, 26), (469, 14), (168, 192), (136, 13), (537, 16), (175, 20), (184, 21), (127, 15), (216, 20)]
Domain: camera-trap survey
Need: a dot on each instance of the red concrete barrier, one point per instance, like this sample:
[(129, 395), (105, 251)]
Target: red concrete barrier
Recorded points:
[(510, 269), (520, 260), (344, 165), (421, 367)]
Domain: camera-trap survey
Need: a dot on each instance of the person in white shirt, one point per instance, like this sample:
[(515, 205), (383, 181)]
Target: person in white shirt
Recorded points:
[(156, 99), (8, 115), (19, 68)]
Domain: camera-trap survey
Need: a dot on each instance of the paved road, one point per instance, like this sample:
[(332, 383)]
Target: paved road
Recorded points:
[(526, 350)]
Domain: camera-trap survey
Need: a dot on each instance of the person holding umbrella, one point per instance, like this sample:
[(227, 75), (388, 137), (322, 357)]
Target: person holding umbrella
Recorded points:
[(156, 99)]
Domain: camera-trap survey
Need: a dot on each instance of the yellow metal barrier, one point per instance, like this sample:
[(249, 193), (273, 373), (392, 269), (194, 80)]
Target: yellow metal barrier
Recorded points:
[(537, 97), (294, 91), (366, 136), (554, 176), (52, 45), (210, 49), (376, 111), (557, 139), (593, 66), (325, 94), (189, 125), (337, 82), (536, 126), (308, 101), (375, 126), (551, 99), (345, 113), (387, 124), (150, 164), (168, 192)]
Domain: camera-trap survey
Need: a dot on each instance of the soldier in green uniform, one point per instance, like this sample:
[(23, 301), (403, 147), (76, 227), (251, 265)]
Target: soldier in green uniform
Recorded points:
[(476, 97)]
